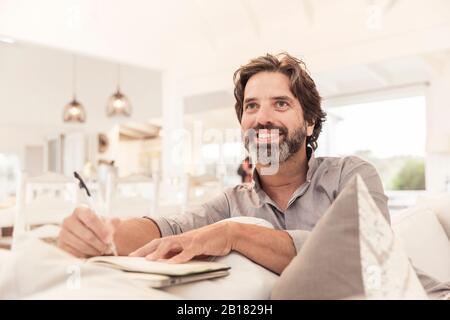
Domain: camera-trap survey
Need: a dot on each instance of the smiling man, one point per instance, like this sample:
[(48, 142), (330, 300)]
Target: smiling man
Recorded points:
[(279, 109)]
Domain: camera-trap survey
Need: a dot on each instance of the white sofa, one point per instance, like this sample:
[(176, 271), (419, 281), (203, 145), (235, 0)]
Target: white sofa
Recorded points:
[(424, 231)]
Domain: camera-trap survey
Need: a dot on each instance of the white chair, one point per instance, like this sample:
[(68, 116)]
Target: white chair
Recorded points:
[(131, 196), (174, 196), (204, 188), (43, 202)]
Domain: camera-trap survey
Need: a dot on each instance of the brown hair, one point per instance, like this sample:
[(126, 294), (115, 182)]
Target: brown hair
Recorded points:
[(301, 85)]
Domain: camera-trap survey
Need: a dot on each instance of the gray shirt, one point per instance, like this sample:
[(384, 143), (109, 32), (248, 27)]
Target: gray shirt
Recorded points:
[(325, 179)]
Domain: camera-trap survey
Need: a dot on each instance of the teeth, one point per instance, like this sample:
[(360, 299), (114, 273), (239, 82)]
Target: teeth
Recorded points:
[(266, 135)]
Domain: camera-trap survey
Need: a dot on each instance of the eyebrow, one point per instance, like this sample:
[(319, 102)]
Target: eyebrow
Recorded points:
[(252, 99), (282, 98)]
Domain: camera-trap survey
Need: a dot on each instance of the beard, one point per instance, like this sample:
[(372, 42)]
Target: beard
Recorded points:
[(281, 150)]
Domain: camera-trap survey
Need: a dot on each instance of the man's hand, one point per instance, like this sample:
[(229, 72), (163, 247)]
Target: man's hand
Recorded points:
[(85, 234), (213, 240)]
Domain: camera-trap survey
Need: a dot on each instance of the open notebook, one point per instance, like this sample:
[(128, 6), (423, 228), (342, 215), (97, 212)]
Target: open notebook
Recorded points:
[(158, 274)]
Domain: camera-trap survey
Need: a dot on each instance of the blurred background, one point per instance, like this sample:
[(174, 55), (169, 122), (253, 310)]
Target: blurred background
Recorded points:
[(144, 89)]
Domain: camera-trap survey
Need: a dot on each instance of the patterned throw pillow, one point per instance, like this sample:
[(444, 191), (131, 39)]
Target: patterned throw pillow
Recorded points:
[(351, 253)]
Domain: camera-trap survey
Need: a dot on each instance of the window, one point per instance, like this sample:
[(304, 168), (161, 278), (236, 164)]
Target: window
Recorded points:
[(390, 134)]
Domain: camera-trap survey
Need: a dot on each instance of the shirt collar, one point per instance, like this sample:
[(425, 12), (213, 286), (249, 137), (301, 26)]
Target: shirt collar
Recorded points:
[(312, 166)]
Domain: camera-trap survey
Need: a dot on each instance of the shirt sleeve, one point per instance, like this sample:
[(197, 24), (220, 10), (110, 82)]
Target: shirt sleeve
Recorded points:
[(210, 212), (354, 165)]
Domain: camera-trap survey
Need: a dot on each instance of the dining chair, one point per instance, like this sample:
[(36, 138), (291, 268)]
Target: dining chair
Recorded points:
[(42, 204), (131, 196)]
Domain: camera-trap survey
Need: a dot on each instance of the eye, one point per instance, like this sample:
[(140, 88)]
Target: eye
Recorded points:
[(250, 106), (282, 104)]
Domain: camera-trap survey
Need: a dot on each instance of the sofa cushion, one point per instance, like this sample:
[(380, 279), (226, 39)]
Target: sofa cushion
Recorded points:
[(351, 252), (440, 205), (424, 240)]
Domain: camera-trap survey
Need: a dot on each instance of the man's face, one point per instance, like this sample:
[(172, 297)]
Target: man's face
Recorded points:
[(272, 118)]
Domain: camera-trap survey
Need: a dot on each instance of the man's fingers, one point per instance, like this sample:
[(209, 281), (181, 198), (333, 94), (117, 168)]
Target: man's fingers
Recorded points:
[(68, 248), (164, 248), (146, 249), (79, 244), (184, 256), (80, 230), (93, 222)]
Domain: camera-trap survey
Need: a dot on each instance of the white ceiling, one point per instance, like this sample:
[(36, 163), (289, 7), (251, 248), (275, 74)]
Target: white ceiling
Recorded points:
[(204, 38)]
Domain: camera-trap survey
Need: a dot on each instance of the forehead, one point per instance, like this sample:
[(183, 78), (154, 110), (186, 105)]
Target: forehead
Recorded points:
[(268, 84)]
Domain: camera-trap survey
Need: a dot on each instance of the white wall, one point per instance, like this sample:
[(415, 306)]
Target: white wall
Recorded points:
[(74, 152), (14, 139), (34, 160), (36, 83)]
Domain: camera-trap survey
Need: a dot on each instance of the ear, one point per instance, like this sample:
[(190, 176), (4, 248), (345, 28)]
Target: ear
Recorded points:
[(310, 128)]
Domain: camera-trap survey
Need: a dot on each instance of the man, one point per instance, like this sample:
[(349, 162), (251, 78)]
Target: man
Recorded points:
[(278, 102)]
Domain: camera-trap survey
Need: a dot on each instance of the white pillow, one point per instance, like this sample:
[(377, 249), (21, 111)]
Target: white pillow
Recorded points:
[(424, 240), (440, 205)]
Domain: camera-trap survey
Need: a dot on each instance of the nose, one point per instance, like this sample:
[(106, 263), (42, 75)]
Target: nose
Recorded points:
[(264, 115)]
